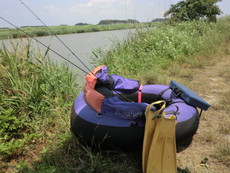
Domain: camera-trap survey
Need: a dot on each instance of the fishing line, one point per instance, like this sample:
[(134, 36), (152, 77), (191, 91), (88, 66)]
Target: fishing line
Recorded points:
[(56, 36), (44, 45), (124, 97)]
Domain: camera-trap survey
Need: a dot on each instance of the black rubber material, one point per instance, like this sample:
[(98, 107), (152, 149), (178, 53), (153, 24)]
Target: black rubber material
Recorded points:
[(124, 138)]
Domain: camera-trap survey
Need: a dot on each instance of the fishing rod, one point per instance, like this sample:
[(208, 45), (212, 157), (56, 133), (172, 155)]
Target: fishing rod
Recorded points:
[(44, 45), (30, 36), (56, 36), (124, 97)]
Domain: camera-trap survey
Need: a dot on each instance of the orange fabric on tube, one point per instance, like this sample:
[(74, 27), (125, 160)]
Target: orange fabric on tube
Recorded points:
[(92, 97)]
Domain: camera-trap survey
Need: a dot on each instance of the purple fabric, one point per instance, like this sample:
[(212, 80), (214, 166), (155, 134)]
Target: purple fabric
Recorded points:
[(124, 84), (157, 89), (103, 74), (113, 106), (120, 109), (119, 83)]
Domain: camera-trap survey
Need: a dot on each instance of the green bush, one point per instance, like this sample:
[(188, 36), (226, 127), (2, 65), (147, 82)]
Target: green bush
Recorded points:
[(41, 33)]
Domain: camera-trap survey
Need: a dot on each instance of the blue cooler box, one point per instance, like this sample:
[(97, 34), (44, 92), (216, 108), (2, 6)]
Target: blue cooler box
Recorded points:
[(188, 96)]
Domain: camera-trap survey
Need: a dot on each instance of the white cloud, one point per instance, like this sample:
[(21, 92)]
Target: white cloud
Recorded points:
[(92, 11), (7, 12), (127, 2), (99, 8), (98, 3), (51, 8), (152, 4)]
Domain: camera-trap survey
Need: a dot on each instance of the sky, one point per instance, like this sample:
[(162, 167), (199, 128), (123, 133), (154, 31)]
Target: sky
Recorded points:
[(70, 12)]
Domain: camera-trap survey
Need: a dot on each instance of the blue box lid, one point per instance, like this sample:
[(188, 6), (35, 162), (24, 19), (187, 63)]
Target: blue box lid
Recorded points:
[(188, 95)]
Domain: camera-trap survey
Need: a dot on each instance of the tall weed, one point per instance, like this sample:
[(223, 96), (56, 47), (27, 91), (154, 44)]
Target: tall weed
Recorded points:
[(31, 87), (165, 45)]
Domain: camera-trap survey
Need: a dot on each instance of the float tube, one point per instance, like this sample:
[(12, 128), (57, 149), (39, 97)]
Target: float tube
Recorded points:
[(110, 110)]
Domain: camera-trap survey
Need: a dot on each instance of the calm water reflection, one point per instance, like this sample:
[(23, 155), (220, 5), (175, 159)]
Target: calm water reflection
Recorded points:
[(81, 44)]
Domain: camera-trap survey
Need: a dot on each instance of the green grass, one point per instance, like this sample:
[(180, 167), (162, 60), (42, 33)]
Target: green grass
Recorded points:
[(71, 156), (159, 48), (33, 92), (59, 30), (37, 95)]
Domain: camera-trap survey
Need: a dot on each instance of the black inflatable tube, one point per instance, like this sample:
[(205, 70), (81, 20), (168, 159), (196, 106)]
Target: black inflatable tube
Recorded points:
[(110, 137)]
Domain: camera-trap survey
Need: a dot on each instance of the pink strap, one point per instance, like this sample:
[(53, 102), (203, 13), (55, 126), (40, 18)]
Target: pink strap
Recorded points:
[(139, 94)]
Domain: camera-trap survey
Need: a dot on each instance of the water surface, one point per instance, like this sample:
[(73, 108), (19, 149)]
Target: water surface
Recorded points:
[(82, 45)]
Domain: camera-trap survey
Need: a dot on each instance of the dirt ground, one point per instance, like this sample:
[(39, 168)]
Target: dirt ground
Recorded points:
[(209, 151)]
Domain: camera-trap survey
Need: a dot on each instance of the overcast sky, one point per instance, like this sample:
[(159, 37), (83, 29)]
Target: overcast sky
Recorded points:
[(70, 12)]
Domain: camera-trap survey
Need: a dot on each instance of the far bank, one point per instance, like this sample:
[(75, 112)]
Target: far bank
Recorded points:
[(38, 31)]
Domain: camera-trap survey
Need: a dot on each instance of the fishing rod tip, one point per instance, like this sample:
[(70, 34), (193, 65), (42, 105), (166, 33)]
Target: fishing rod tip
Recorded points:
[(22, 2), (2, 18)]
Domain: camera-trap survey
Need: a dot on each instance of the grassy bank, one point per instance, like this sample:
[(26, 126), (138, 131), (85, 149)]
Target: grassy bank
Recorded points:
[(166, 45), (33, 92), (39, 31), (36, 98)]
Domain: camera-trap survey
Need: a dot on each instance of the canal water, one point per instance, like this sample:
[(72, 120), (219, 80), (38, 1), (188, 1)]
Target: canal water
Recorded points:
[(82, 44)]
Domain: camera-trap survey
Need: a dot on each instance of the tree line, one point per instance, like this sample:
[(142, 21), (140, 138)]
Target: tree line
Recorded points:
[(194, 10), (110, 21)]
